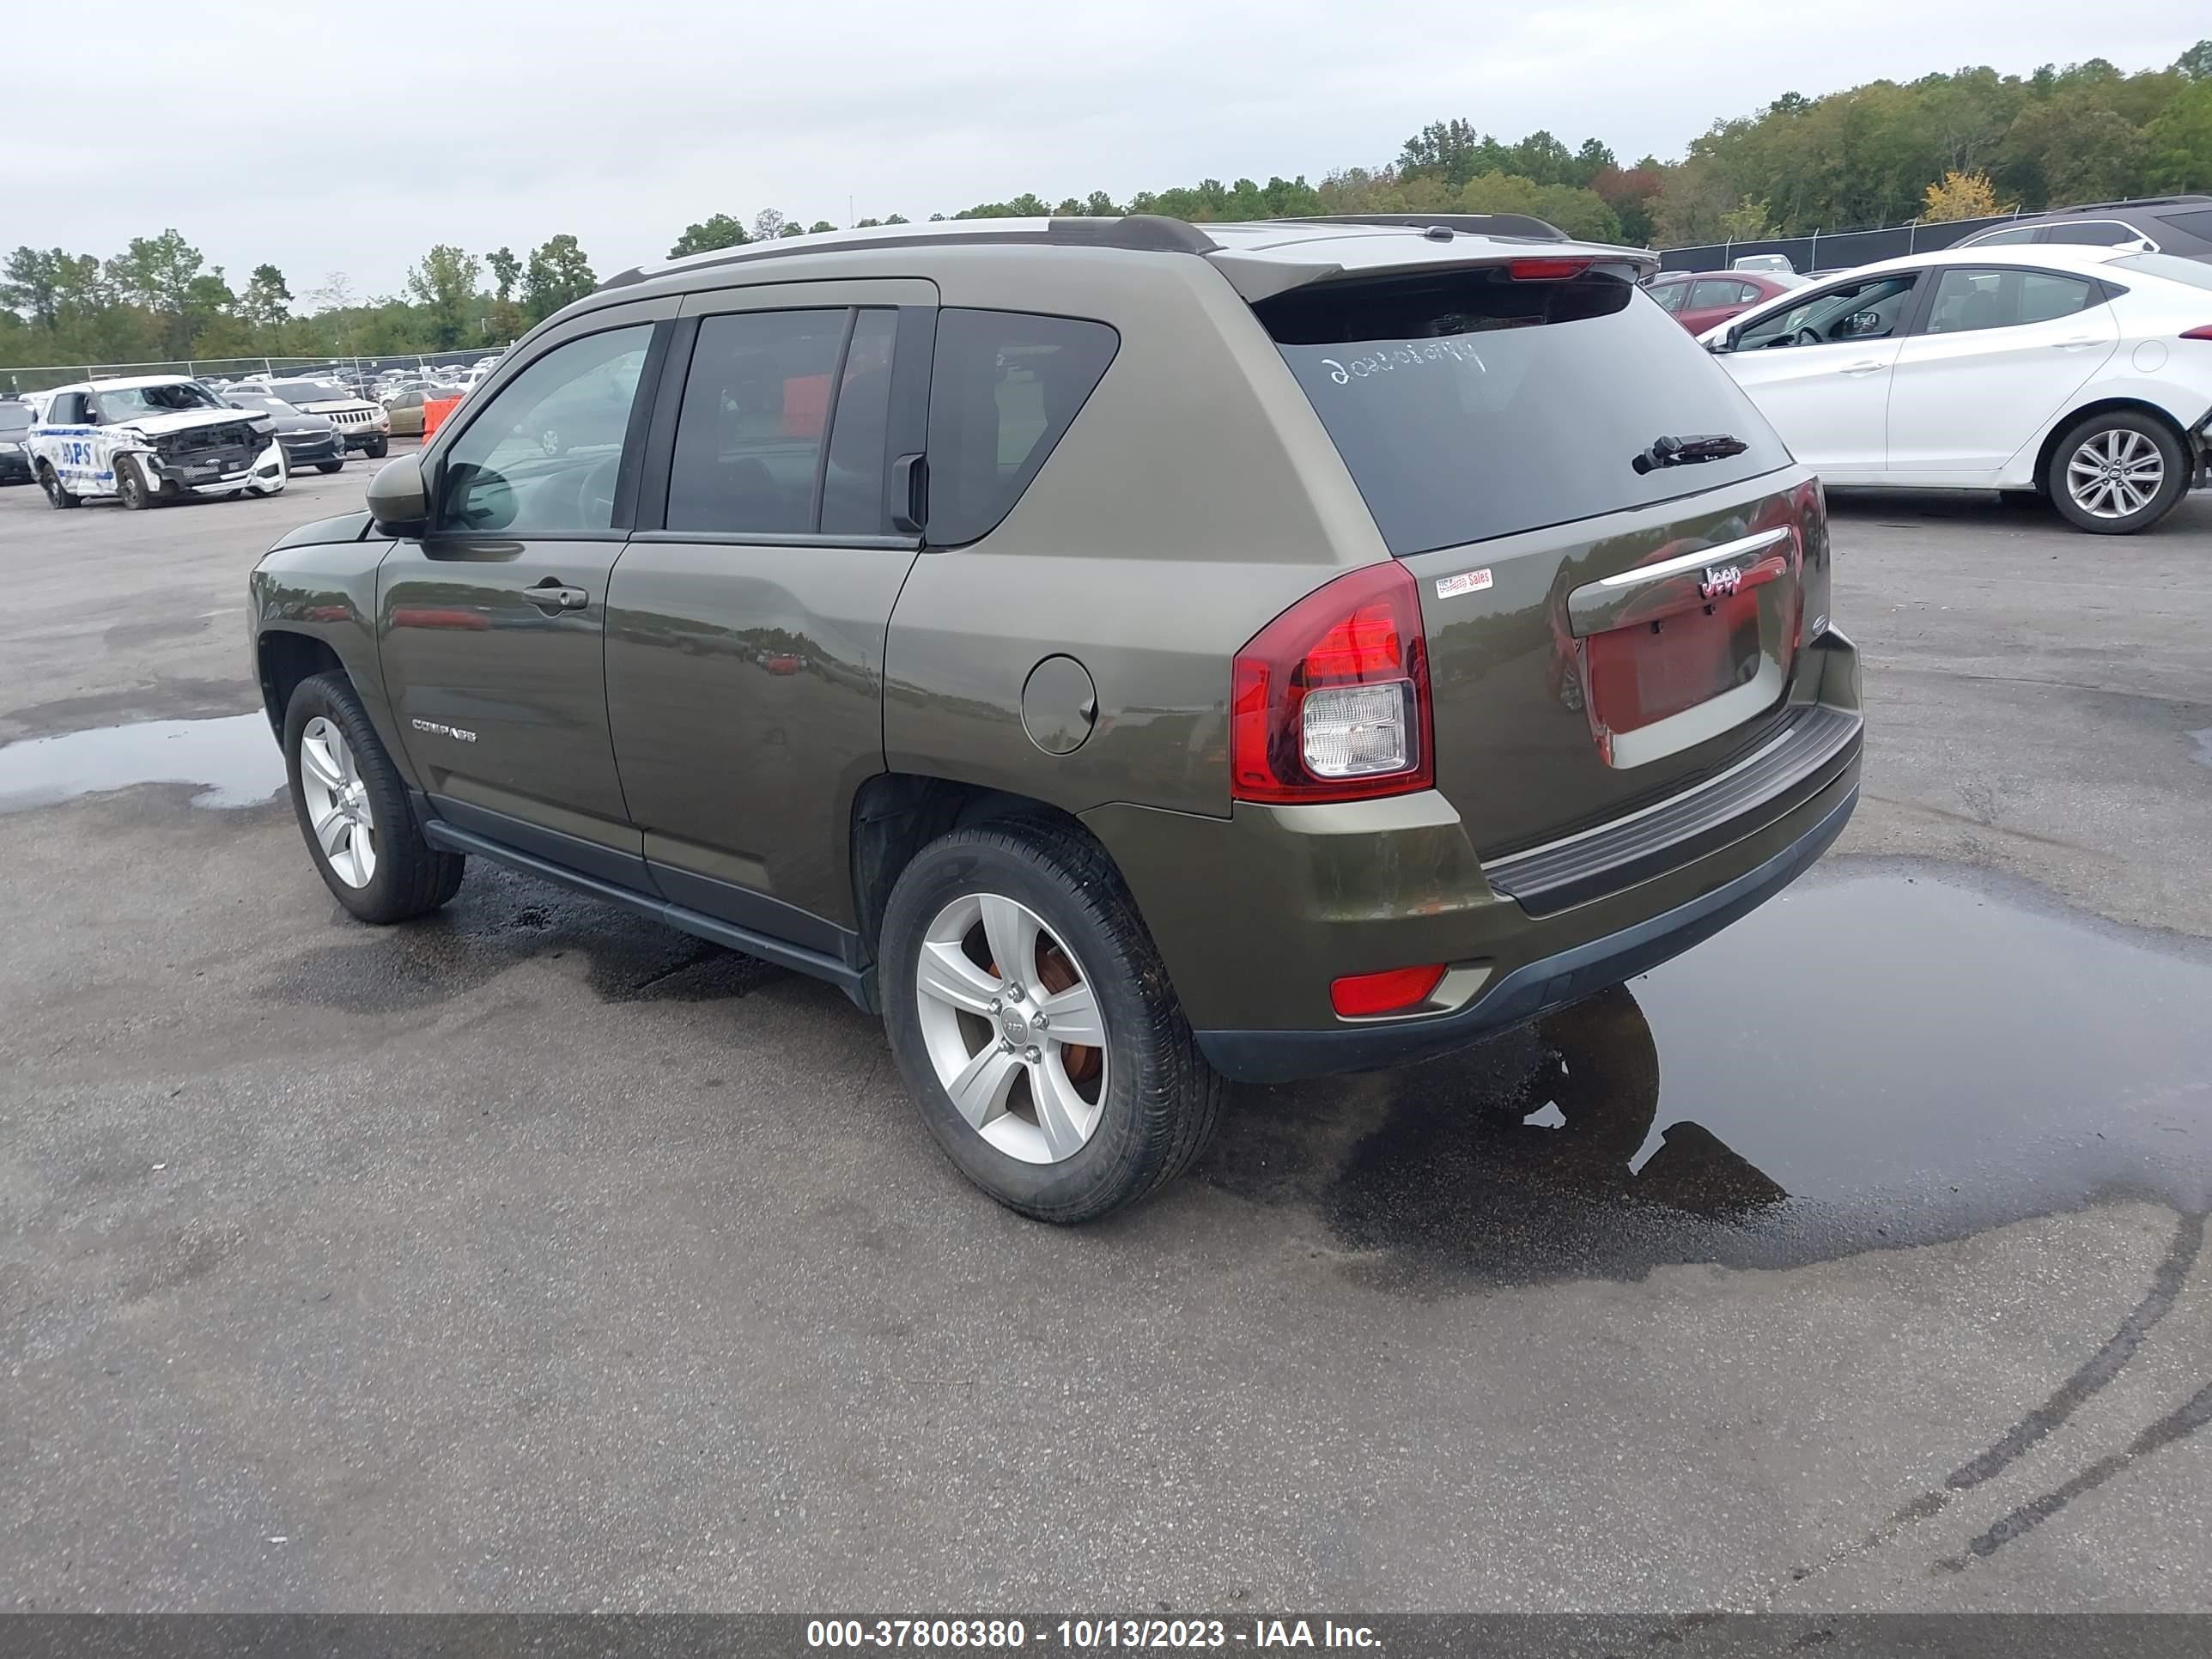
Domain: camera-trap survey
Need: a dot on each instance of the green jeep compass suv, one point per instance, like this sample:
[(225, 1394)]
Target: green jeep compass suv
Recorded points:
[(1125, 654)]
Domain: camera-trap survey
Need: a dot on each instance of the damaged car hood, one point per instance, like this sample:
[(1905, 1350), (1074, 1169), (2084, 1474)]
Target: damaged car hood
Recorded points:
[(186, 420)]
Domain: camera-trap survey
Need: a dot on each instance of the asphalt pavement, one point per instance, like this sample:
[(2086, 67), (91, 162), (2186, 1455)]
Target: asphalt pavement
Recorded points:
[(536, 1257)]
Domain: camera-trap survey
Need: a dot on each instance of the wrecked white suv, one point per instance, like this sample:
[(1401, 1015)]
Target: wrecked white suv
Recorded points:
[(151, 440)]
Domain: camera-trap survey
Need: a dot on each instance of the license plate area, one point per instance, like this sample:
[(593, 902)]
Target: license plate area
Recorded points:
[(1650, 672), (1675, 651)]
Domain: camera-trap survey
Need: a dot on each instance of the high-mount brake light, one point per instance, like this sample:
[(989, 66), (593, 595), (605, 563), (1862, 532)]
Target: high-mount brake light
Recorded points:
[(1546, 270)]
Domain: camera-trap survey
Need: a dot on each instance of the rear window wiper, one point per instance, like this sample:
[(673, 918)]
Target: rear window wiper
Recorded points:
[(1681, 452)]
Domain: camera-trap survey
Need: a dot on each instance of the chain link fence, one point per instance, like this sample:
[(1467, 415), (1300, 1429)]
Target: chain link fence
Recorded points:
[(362, 371), (1834, 249)]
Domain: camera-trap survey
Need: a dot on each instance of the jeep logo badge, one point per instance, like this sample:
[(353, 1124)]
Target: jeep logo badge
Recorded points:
[(1721, 581)]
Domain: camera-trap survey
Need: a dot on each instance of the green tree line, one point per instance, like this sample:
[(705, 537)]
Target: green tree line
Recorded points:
[(1878, 154)]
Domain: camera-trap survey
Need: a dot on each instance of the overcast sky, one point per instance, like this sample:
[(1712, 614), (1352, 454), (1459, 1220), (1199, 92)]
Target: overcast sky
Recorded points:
[(349, 137)]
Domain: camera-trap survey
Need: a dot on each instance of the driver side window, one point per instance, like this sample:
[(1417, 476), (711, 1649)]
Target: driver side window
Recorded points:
[(1869, 310), (543, 455)]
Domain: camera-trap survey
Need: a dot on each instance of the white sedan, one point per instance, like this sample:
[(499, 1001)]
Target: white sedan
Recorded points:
[(2081, 375)]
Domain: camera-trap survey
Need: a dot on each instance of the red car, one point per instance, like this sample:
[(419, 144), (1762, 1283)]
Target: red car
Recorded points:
[(1698, 298)]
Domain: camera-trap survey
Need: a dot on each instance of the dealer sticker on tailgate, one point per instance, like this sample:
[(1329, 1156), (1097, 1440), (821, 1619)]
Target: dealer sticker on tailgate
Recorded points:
[(1467, 581)]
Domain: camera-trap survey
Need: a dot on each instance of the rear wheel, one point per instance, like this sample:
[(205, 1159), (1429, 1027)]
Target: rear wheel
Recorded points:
[(1033, 1021), (353, 809), (2116, 473), (50, 481)]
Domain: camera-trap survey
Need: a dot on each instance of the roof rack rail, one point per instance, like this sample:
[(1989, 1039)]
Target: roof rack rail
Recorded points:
[(1150, 233), (1474, 224), (2107, 207)]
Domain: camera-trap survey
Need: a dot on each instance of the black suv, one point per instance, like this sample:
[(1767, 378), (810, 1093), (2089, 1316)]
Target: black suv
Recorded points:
[(2179, 225)]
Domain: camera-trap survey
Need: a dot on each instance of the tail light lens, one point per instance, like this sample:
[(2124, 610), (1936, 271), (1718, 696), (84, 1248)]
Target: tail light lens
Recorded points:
[(2203, 333), (1330, 700)]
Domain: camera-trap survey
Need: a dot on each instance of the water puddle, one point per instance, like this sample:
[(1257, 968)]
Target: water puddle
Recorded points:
[(1877, 1057), (234, 760)]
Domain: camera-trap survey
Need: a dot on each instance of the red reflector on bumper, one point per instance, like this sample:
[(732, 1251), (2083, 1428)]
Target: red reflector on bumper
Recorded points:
[(1384, 993)]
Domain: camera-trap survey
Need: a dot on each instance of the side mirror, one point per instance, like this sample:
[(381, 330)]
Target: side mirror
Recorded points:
[(399, 500)]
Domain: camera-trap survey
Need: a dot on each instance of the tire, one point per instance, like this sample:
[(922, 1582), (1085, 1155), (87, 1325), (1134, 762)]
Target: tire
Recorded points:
[(2140, 459), (407, 877), (56, 497), (376, 448), (328, 466), (1154, 1101), (130, 486)]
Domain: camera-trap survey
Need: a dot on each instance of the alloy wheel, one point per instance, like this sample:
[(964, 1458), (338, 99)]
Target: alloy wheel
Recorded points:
[(2115, 473), (1013, 1027), (338, 811)]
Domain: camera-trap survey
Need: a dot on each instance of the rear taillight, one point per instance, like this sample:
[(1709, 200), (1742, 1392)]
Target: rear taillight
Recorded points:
[(2203, 333), (1330, 700)]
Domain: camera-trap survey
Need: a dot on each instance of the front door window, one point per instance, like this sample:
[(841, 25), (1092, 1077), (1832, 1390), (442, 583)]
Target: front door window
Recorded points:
[(543, 455)]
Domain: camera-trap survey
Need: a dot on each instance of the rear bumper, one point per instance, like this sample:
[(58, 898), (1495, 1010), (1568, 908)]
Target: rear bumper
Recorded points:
[(1548, 982), (1255, 914)]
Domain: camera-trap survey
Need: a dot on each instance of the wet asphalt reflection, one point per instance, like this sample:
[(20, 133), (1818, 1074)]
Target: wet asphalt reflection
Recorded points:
[(1880, 1057), (1886, 1054)]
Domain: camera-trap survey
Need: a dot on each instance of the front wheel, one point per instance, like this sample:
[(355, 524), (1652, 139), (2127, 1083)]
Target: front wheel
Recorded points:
[(375, 449), (352, 809), (130, 486), (328, 466), (1032, 1020), (2116, 473)]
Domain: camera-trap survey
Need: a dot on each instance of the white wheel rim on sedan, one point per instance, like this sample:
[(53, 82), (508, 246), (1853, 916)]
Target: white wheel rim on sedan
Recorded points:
[(1012, 1026), (2116, 473), (338, 812)]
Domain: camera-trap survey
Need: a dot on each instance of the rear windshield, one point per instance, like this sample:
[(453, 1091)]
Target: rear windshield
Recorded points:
[(1468, 405), (2166, 265)]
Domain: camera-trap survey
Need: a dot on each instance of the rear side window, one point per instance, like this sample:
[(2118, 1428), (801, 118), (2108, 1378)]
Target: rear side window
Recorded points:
[(1003, 387), (2093, 233), (1967, 299), (1729, 292), (1468, 405)]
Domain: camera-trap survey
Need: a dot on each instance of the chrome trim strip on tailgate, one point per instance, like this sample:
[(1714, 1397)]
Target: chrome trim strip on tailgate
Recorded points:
[(1704, 556), (1580, 867)]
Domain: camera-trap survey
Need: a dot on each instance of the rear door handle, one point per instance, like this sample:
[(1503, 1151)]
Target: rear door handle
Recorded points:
[(552, 594), (2074, 345), (1862, 368)]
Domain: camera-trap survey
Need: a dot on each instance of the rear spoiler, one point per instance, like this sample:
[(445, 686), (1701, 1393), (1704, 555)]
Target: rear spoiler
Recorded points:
[(1260, 276)]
